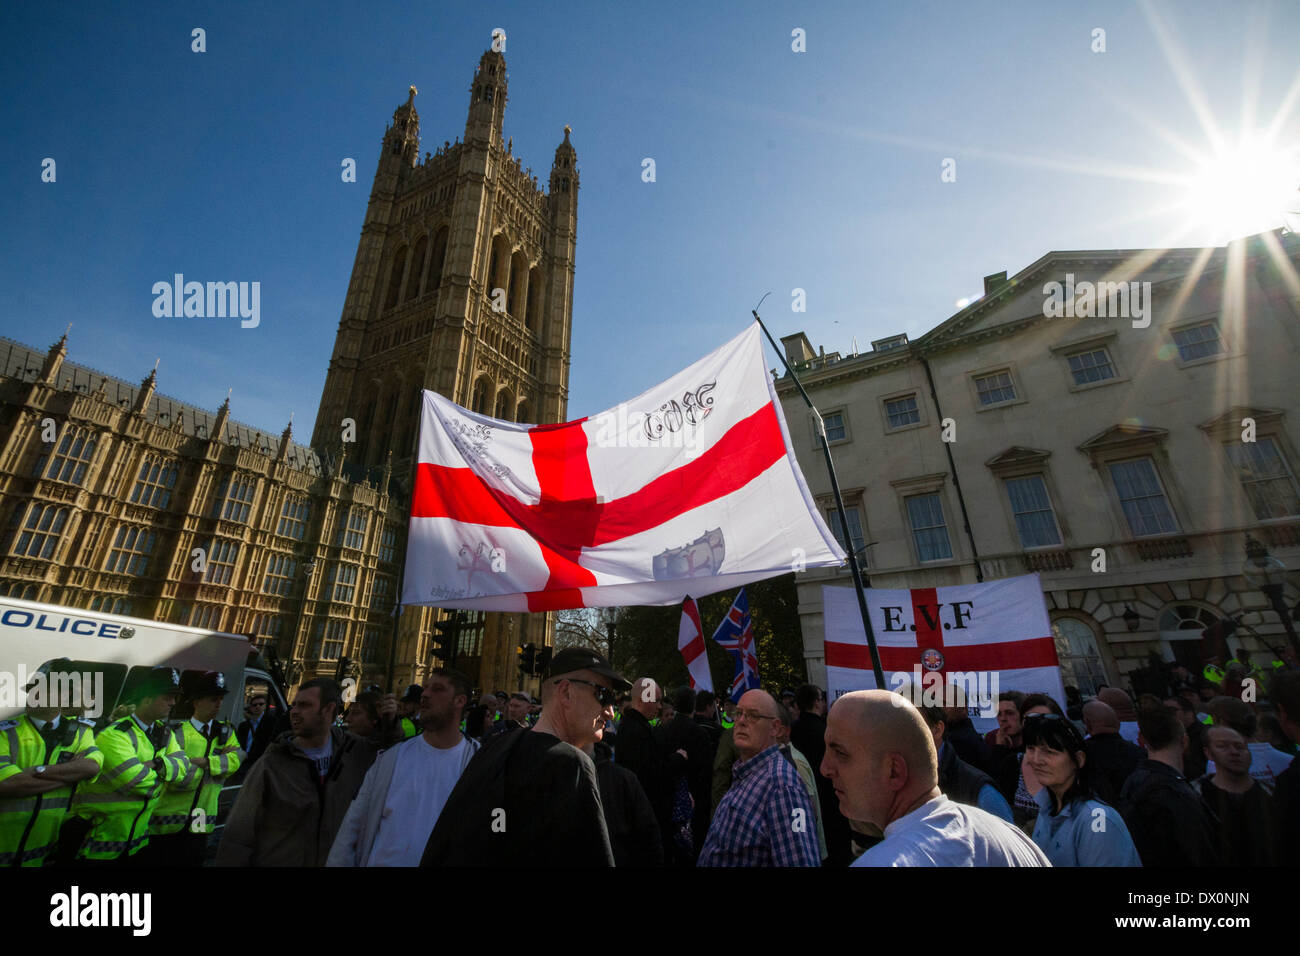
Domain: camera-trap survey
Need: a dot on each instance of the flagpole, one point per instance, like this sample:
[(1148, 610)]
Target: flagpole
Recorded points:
[(839, 506)]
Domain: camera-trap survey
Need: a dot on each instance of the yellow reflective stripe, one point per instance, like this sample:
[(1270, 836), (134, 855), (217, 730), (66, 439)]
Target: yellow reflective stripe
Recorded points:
[(121, 768)]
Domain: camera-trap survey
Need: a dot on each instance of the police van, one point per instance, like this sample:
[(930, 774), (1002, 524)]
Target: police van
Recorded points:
[(110, 652)]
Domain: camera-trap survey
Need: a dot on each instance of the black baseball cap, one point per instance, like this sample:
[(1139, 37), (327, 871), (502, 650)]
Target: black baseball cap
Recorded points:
[(585, 659), (412, 695)]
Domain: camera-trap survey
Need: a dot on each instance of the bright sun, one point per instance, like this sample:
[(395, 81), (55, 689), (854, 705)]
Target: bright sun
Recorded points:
[(1245, 189)]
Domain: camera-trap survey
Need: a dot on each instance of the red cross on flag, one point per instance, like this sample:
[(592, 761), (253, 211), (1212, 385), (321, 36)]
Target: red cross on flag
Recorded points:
[(691, 487), (690, 641), (984, 638)]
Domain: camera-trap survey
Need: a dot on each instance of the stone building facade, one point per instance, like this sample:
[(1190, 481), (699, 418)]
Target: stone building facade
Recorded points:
[(1004, 442), (462, 284)]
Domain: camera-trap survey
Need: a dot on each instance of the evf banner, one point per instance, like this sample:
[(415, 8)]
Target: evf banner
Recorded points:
[(981, 638), (689, 488)]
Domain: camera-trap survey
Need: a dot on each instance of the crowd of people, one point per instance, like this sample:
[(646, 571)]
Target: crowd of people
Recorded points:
[(603, 771)]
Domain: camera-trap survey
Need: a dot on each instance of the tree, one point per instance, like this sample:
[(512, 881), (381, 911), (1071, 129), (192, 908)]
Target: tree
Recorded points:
[(645, 642)]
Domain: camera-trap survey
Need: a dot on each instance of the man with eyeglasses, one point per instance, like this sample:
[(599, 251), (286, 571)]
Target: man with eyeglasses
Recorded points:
[(531, 798), (766, 818)]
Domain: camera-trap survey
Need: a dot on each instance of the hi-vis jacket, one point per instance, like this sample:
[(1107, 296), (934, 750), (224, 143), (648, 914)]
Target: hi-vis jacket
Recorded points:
[(119, 802), (199, 789), (29, 826)]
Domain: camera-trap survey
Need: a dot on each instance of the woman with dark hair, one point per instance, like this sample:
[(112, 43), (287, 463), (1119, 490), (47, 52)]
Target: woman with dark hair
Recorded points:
[(1017, 784), (1073, 828)]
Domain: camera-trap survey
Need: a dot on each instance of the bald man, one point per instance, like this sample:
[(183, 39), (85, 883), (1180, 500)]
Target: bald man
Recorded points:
[(881, 760), (1112, 757)]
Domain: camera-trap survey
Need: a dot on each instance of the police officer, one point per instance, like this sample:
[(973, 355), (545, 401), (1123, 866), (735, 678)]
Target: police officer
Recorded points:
[(110, 815), (410, 709), (187, 811), (44, 754)]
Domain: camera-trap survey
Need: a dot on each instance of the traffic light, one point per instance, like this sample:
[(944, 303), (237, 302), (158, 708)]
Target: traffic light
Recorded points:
[(444, 640), (527, 659), (543, 661)]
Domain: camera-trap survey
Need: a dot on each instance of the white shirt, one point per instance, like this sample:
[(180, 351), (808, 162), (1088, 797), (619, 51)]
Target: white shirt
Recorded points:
[(945, 833), (422, 781)]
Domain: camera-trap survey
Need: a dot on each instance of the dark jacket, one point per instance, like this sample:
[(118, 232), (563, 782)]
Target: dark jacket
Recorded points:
[(1248, 832), (960, 781), (1286, 802), (284, 815), (696, 768), (962, 737), (1112, 758), (633, 829), (254, 742), (808, 735), (1169, 823), (641, 751), (724, 758), (526, 799)]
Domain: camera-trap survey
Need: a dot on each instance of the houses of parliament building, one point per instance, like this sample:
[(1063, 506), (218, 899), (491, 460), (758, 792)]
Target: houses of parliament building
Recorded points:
[(116, 497)]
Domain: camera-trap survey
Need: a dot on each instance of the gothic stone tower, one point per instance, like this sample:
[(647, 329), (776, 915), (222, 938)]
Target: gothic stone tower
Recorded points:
[(462, 284)]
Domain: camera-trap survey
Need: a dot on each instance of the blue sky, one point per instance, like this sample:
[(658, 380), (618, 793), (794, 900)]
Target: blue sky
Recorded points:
[(775, 170)]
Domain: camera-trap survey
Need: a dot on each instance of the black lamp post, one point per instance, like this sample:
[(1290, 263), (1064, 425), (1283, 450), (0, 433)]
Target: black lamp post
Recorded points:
[(1268, 574), (610, 628)]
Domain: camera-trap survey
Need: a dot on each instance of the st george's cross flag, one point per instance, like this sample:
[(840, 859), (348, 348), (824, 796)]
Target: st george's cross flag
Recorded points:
[(984, 638), (736, 634), (690, 488), (690, 641)]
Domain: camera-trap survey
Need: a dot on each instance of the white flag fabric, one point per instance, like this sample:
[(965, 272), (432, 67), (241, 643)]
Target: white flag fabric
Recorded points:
[(690, 641), (691, 487), (991, 636)]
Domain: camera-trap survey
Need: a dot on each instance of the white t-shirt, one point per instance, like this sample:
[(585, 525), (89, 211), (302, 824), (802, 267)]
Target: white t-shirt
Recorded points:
[(422, 781), (945, 833)]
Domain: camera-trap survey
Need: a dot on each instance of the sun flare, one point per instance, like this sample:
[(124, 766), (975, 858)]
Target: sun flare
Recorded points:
[(1245, 189)]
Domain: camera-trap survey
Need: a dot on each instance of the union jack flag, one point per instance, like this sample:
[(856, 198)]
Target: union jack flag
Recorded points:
[(736, 634)]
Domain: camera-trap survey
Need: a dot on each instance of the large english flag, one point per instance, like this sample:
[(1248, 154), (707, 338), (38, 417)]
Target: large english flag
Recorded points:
[(691, 487), (995, 628)]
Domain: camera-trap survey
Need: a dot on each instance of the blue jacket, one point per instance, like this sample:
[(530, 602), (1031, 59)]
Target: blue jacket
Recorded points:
[(1084, 833)]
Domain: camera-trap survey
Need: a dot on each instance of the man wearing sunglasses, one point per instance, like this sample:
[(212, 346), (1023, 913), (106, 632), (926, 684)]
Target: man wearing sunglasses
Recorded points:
[(531, 798)]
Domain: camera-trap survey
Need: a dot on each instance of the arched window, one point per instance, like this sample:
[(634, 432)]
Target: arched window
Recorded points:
[(439, 259), (417, 268), (499, 272), (503, 406), (518, 285), (534, 310), (71, 458), (478, 403), (39, 534), (155, 482), (1081, 662), (395, 280), (522, 414)]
